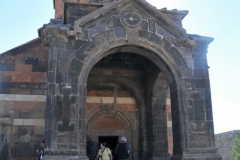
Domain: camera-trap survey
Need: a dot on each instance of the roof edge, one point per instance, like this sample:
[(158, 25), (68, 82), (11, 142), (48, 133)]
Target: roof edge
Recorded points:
[(24, 47), (201, 39), (181, 13)]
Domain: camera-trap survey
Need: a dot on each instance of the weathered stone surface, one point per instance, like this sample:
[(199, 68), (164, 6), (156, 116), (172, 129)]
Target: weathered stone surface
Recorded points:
[(4, 152), (111, 69), (7, 67), (66, 158), (23, 130), (6, 121)]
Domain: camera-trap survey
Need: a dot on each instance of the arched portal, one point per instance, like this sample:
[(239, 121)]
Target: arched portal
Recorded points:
[(112, 110), (137, 86), (113, 123), (153, 140)]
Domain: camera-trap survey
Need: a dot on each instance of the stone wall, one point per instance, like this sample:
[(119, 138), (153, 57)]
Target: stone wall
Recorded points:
[(23, 97), (59, 6), (23, 80), (224, 143)]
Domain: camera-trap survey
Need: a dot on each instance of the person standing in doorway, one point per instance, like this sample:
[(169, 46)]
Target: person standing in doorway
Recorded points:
[(41, 151), (104, 153), (123, 150), (91, 148)]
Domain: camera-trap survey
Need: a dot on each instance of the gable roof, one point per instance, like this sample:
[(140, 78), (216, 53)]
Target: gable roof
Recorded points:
[(169, 19), (115, 7)]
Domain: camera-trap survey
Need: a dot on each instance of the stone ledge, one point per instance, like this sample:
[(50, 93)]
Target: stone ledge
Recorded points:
[(18, 97), (28, 122), (65, 158), (161, 158), (110, 100), (6, 121), (199, 156)]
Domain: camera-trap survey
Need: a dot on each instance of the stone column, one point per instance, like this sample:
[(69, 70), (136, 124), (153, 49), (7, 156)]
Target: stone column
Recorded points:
[(63, 122), (192, 112), (159, 118)]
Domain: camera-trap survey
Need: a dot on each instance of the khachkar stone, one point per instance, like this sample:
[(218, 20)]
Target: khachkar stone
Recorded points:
[(139, 28)]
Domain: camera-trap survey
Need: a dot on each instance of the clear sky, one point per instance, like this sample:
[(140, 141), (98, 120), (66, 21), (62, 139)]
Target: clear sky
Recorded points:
[(20, 19)]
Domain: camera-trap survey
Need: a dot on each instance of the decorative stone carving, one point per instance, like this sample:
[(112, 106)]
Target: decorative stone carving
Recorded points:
[(110, 113), (132, 19)]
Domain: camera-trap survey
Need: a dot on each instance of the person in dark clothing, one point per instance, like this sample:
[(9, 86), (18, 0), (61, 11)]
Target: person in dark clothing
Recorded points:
[(91, 148), (123, 150), (41, 151)]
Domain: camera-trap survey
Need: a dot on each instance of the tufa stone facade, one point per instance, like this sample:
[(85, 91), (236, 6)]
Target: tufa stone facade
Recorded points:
[(108, 69)]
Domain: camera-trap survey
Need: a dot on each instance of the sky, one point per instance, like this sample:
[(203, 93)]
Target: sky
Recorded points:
[(20, 20)]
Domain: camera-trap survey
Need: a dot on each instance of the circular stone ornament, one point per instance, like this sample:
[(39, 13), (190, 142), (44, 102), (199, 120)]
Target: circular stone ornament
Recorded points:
[(132, 19)]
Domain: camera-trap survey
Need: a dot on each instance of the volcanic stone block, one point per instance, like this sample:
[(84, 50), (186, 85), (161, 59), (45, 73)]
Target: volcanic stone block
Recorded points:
[(22, 85), (200, 63), (4, 153), (43, 86), (23, 130), (160, 129), (65, 126), (39, 105), (161, 31), (144, 25), (39, 130), (37, 92), (186, 71), (202, 83), (151, 25), (23, 115), (7, 85), (6, 121), (118, 23), (4, 104), (120, 32), (32, 61), (66, 112), (97, 29), (66, 100), (176, 56), (36, 113), (158, 106), (75, 11), (77, 64), (15, 150), (25, 149), (73, 113), (159, 114), (58, 111), (39, 68), (5, 78), (7, 67), (158, 39), (58, 78)]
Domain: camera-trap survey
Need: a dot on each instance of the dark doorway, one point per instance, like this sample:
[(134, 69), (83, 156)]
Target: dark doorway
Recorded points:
[(111, 141)]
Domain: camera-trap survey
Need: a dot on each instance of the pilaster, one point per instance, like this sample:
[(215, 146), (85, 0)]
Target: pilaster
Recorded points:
[(65, 130)]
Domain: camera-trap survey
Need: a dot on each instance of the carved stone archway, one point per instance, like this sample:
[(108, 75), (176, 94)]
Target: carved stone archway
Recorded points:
[(130, 132)]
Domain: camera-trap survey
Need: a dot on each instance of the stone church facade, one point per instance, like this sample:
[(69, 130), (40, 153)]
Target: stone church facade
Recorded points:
[(108, 69)]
